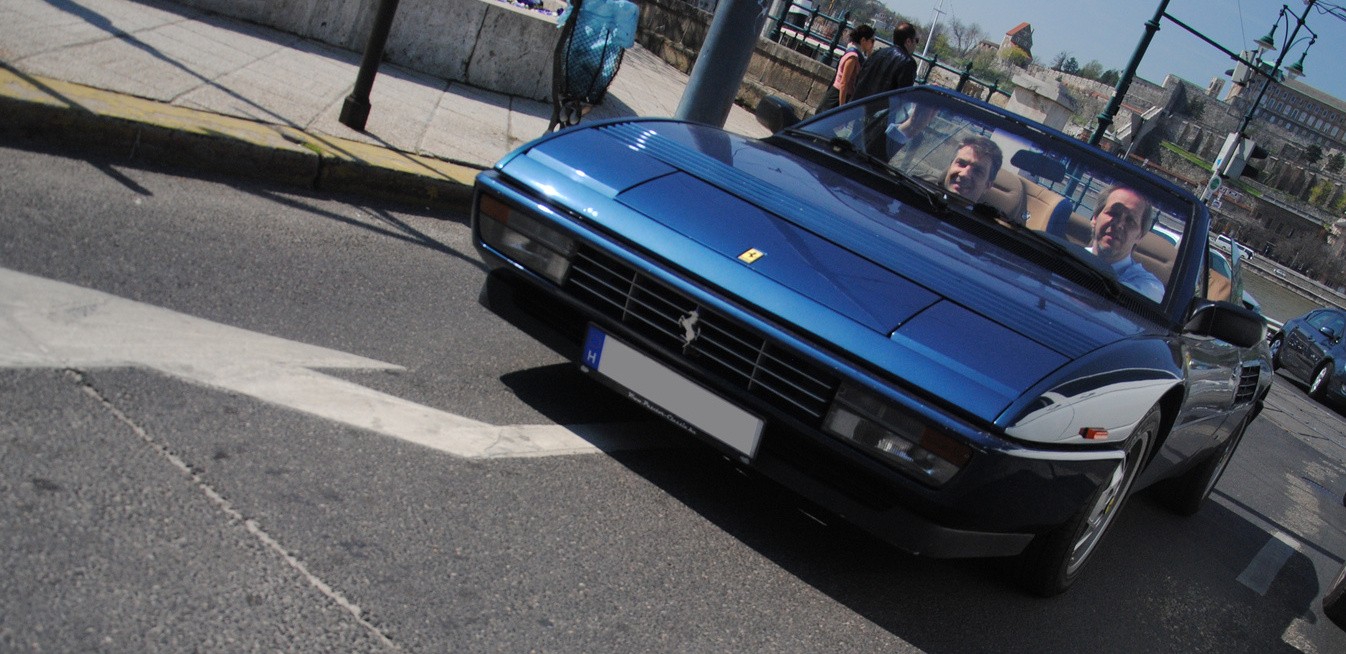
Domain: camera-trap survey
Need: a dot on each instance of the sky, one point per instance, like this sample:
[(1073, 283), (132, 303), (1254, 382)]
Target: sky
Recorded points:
[(1110, 30)]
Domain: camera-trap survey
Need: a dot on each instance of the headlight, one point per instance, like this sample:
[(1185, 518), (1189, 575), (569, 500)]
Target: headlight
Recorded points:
[(915, 448), (525, 240)]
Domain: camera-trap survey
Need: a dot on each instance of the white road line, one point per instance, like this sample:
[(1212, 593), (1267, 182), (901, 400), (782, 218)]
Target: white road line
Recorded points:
[(1267, 564), (49, 324)]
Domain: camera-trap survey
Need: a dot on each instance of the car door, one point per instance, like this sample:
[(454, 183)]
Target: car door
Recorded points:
[(1213, 370), (1317, 342), (1302, 350)]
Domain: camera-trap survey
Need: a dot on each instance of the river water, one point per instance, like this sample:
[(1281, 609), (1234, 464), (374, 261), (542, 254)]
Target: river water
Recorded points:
[(1278, 303)]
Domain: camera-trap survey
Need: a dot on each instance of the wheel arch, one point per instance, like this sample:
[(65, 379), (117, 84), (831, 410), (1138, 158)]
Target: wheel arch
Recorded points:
[(1170, 404)]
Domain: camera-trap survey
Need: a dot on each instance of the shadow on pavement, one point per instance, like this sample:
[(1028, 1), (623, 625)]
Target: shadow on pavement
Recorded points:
[(1159, 582)]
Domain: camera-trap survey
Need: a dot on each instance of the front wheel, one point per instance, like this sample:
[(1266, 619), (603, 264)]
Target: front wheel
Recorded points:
[(1275, 346), (1053, 560), (1321, 380)]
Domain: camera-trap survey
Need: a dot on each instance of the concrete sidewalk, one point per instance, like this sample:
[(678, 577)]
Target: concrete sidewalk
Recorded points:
[(161, 82)]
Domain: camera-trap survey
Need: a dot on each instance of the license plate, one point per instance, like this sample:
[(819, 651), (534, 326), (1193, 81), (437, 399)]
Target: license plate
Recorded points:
[(669, 394)]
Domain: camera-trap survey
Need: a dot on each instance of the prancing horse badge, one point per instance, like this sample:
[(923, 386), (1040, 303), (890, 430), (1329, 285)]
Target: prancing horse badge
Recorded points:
[(751, 255)]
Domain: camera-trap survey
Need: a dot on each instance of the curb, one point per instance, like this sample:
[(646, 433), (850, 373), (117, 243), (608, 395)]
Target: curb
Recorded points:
[(38, 109)]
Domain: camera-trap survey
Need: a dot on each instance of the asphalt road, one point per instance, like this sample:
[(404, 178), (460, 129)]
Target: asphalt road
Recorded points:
[(234, 417)]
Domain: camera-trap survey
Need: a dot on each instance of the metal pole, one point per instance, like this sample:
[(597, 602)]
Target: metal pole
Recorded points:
[(930, 36), (1124, 84), (722, 62), (355, 111), (1241, 133)]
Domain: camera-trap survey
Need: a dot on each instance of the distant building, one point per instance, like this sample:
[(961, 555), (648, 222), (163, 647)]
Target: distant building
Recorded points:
[(1021, 37), (1310, 115)]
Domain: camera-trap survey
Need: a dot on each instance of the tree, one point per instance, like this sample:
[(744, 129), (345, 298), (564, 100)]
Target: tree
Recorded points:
[(1335, 163), (963, 37), (1110, 77), (1321, 193), (1059, 60), (987, 69), (1313, 154), (1092, 70), (1070, 66), (1016, 56)]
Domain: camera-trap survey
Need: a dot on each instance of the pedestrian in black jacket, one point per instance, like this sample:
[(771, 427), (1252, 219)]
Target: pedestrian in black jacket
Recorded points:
[(889, 68)]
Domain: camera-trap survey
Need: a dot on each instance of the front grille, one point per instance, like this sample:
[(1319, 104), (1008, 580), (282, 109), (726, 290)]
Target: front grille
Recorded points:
[(723, 347), (1247, 384)]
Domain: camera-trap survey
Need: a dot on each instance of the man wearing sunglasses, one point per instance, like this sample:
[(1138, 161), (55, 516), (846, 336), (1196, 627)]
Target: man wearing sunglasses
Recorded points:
[(889, 68)]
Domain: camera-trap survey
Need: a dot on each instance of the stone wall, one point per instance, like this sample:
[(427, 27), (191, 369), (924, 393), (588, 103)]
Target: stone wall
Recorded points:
[(488, 44), (675, 31)]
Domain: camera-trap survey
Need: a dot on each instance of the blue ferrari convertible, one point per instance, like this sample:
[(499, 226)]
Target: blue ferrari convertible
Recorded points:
[(959, 329)]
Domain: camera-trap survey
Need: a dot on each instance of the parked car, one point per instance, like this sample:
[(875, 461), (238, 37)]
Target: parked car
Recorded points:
[(830, 308), (1310, 347)]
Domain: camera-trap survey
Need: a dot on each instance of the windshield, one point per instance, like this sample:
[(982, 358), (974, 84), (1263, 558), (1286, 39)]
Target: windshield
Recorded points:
[(1059, 189)]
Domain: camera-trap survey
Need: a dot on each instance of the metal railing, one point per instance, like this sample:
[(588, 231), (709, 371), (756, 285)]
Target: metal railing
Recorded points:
[(819, 36)]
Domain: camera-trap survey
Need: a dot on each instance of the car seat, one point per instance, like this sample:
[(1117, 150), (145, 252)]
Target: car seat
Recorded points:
[(1007, 194)]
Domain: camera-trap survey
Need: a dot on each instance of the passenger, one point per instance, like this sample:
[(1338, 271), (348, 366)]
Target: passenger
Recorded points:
[(843, 86), (1121, 217), (974, 165), (889, 68)]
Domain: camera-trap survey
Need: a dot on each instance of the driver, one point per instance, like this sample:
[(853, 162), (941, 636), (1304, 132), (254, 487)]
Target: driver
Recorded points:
[(1121, 217), (974, 165)]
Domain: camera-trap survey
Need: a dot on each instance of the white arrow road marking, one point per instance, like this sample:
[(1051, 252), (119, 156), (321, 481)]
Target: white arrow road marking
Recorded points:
[(49, 324)]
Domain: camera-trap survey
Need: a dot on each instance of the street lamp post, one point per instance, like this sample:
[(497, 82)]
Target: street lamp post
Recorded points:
[(355, 110), (1124, 82), (1268, 43), (1238, 144)]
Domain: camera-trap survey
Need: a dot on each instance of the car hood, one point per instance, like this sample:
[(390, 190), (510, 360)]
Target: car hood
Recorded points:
[(937, 307)]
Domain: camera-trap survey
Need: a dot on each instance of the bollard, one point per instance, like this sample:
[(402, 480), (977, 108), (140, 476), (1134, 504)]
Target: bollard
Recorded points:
[(355, 111)]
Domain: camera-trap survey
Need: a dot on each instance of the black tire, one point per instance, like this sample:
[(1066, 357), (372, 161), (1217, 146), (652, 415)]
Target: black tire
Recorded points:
[(1054, 560), (1322, 378), (1275, 346), (1334, 602), (1185, 495)]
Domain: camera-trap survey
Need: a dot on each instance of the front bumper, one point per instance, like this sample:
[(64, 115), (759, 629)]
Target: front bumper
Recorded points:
[(1003, 498)]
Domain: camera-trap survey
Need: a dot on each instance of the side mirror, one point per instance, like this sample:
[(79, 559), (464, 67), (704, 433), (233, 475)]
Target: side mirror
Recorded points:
[(775, 114), (1230, 323), (1330, 333)]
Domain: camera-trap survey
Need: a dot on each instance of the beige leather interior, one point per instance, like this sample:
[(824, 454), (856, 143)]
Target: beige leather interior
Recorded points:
[(1042, 203), (1022, 199), (1157, 253), (1153, 251), (1218, 287), (1033, 204), (1007, 194)]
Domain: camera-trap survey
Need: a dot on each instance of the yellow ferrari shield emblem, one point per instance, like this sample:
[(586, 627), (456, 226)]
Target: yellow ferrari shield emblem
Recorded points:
[(751, 255)]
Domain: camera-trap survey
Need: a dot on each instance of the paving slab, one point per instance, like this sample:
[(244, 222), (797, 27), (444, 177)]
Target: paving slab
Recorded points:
[(161, 78)]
